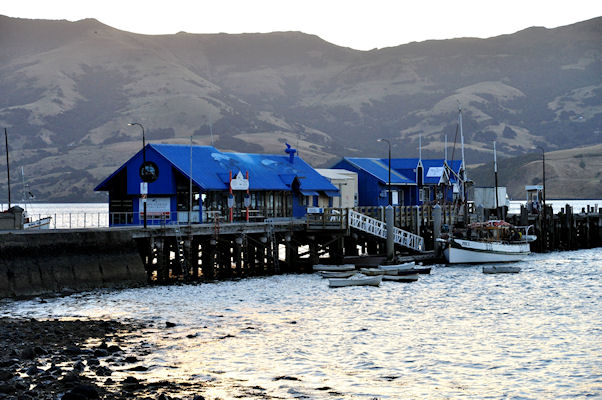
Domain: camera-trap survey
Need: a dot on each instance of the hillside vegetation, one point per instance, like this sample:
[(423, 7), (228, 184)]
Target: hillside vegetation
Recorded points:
[(69, 90)]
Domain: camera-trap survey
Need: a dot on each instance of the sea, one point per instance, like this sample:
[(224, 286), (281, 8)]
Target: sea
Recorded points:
[(454, 334)]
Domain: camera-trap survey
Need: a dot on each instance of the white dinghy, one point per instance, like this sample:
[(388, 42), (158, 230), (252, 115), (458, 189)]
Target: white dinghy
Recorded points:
[(338, 268), (337, 274), (357, 281)]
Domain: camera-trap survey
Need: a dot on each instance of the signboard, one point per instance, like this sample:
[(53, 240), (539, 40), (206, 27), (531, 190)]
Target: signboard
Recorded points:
[(239, 182), (143, 187), (155, 206), (315, 210)]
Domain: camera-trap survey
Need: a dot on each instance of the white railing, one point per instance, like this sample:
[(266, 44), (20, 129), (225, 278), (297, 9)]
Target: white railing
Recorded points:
[(379, 228)]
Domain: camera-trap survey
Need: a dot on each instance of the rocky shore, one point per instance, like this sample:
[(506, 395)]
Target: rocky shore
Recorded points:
[(78, 360)]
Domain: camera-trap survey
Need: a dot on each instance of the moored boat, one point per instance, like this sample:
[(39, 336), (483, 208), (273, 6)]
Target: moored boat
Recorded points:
[(501, 269), (336, 274), (359, 281), (487, 242), (339, 268), (401, 278), (372, 271)]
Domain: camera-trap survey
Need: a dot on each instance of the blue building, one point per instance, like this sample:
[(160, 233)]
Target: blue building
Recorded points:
[(414, 181), (225, 186)]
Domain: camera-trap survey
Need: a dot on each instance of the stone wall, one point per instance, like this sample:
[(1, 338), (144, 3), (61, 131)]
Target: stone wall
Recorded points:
[(42, 262)]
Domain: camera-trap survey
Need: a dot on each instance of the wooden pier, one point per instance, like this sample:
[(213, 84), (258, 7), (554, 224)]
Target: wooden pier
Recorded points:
[(37, 262)]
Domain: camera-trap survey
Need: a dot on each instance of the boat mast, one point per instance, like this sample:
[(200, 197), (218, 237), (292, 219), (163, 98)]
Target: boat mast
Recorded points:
[(497, 204), (7, 165)]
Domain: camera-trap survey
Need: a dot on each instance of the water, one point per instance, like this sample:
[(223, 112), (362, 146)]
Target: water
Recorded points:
[(456, 333)]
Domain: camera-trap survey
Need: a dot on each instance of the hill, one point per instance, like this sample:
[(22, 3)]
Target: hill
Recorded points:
[(570, 174), (70, 88)]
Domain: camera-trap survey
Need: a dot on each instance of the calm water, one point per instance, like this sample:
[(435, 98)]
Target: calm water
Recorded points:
[(456, 333)]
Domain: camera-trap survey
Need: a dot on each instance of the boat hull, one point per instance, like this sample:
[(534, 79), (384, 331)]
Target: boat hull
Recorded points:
[(43, 223), (473, 252), (369, 281)]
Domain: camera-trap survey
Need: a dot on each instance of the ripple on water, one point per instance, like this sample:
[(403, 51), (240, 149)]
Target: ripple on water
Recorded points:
[(456, 333)]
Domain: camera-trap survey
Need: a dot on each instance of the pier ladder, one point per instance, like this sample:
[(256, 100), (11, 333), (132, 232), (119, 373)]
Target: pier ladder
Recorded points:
[(378, 228)]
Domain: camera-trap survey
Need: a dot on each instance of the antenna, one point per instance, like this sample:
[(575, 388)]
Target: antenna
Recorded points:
[(211, 131), (420, 145)]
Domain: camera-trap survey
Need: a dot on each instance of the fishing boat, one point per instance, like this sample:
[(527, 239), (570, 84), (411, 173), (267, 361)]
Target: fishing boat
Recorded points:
[(487, 242), (504, 269), (401, 278), (357, 281), (338, 268)]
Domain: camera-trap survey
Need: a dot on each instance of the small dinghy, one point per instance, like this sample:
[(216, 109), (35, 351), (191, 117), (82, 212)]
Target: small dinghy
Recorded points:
[(339, 268), (401, 278), (504, 269), (421, 270), (397, 267), (336, 274), (358, 281), (372, 271)]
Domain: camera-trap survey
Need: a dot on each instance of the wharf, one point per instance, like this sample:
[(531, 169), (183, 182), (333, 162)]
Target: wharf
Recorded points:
[(46, 261)]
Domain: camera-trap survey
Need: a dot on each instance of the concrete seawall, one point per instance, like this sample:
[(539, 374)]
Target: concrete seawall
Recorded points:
[(42, 262)]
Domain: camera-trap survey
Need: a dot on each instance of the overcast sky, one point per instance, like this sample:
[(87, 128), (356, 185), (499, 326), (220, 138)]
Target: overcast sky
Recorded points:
[(362, 25)]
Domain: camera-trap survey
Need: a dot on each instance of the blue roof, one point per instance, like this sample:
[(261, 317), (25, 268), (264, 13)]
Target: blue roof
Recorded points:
[(403, 170), (211, 168), (434, 169), (379, 168)]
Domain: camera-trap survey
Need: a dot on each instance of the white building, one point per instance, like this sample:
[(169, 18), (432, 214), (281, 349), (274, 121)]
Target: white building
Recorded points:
[(346, 182)]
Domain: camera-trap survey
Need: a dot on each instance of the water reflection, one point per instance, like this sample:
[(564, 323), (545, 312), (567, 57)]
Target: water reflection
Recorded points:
[(457, 333)]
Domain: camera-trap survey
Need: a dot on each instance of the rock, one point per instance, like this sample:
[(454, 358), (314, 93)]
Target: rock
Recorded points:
[(72, 350), (114, 349), (93, 362), (103, 371), (130, 380), (79, 366), (163, 397), (88, 391), (103, 345), (7, 388), (198, 397), (109, 381), (33, 370), (170, 324), (70, 378), (39, 351), (28, 353), (130, 359), (73, 396), (101, 353), (139, 368)]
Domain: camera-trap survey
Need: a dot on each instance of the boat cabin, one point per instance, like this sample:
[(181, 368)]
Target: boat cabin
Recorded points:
[(534, 198)]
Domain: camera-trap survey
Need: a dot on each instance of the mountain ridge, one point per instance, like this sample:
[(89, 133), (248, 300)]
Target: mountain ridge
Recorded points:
[(70, 88)]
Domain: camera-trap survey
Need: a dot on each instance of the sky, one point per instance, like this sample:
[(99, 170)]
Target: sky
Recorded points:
[(362, 25)]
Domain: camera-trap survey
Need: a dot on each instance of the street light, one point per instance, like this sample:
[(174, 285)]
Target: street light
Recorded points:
[(389, 143), (143, 165), (543, 159)]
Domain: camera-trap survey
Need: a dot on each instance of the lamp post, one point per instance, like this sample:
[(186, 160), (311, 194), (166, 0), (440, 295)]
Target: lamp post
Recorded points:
[(143, 165), (389, 143), (543, 163)]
